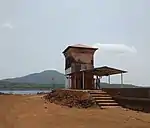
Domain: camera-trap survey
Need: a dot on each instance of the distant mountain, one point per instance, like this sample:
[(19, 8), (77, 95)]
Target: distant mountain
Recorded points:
[(49, 77), (105, 85), (45, 77)]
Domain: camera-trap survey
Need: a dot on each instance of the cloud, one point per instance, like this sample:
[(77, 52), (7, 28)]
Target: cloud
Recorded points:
[(7, 25), (115, 48)]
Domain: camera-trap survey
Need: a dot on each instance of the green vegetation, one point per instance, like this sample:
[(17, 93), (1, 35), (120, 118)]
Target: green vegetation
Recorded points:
[(20, 86)]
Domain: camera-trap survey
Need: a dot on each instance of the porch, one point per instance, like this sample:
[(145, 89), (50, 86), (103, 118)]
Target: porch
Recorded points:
[(84, 79)]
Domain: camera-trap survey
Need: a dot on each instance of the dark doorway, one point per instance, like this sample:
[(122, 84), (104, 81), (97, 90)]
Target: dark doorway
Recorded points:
[(81, 82)]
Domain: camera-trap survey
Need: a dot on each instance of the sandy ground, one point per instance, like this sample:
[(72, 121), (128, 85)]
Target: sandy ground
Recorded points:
[(32, 111)]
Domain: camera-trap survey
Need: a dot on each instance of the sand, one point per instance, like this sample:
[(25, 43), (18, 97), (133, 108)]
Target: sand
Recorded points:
[(18, 111)]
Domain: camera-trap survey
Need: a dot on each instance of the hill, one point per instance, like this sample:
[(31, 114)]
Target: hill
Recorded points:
[(105, 85), (46, 79), (43, 80)]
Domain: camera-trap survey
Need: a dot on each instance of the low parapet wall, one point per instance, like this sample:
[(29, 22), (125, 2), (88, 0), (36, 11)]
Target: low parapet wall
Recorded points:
[(129, 92), (132, 98)]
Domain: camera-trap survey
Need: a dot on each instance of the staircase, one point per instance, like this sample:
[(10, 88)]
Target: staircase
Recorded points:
[(103, 99)]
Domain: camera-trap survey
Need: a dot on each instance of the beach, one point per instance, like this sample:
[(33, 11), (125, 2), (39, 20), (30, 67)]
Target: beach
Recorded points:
[(25, 111)]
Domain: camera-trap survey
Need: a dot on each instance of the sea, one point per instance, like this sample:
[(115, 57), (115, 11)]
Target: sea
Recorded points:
[(24, 91)]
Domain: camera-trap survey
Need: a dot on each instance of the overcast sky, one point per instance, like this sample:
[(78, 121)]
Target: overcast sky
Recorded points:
[(33, 34)]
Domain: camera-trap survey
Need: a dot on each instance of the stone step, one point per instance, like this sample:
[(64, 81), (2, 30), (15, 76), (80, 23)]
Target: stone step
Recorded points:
[(100, 95), (105, 101), (100, 92), (102, 98), (107, 104), (111, 107)]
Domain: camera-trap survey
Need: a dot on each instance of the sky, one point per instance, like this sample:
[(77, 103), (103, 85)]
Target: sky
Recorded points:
[(33, 34)]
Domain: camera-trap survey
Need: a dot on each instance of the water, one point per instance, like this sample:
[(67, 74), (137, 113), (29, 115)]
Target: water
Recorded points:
[(23, 92)]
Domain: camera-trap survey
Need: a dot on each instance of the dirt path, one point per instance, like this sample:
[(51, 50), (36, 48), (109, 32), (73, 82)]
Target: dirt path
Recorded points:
[(32, 111)]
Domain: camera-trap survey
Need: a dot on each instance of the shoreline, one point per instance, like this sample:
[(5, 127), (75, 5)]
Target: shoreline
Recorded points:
[(23, 92), (23, 89)]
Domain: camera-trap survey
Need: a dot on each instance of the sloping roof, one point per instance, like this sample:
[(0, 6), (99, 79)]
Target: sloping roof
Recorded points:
[(80, 46), (104, 71)]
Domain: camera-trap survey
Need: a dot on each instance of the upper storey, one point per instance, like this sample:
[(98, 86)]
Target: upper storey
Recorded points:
[(79, 55)]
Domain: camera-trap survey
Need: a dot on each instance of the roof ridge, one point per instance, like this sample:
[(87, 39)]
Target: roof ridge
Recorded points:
[(80, 46)]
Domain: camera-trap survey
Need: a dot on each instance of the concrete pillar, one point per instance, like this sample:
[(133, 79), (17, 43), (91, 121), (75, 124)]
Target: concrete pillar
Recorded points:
[(75, 82), (83, 80), (96, 82), (121, 79), (109, 79), (100, 82)]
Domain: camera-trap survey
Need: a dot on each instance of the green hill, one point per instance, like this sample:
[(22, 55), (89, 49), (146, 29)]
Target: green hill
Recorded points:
[(45, 77)]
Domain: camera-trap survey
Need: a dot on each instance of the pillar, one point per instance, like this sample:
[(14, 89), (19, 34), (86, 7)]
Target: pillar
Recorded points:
[(121, 79), (109, 79), (83, 79)]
